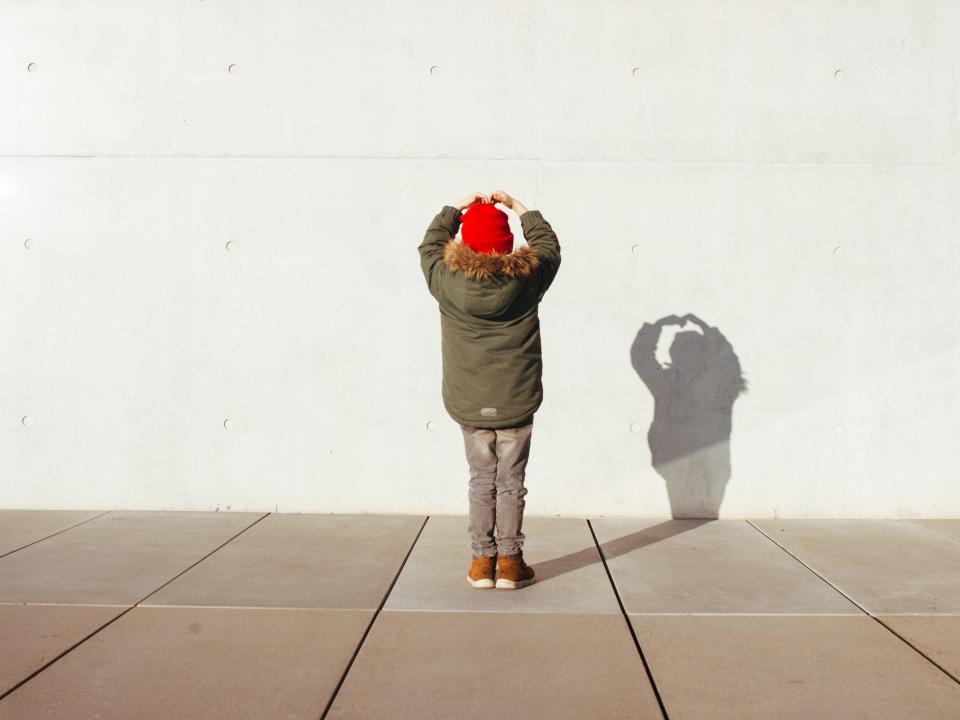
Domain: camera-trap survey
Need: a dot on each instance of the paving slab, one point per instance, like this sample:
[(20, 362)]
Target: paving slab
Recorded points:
[(709, 566), (198, 663), (33, 635), (936, 636), (571, 577), (888, 566), (116, 559), (292, 560), (777, 666), (488, 665), (22, 527), (947, 527)]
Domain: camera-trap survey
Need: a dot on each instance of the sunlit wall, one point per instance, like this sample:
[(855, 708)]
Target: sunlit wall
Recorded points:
[(211, 293)]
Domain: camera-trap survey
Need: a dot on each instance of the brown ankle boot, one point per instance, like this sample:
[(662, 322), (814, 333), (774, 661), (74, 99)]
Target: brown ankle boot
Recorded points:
[(480, 574), (513, 572)]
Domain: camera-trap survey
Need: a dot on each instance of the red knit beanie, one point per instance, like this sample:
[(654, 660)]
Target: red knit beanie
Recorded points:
[(486, 229)]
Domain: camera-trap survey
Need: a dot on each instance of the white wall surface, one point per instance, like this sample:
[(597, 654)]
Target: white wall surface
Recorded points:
[(786, 171)]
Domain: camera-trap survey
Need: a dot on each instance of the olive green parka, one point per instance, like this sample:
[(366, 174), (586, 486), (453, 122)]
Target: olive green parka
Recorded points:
[(490, 328)]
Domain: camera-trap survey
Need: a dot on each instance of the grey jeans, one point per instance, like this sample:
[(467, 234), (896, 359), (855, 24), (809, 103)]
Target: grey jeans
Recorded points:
[(498, 462)]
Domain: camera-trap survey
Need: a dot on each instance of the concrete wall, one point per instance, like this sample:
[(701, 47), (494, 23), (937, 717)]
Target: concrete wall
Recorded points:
[(212, 298)]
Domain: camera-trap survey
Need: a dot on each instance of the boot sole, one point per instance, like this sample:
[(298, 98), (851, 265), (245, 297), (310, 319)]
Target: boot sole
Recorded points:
[(482, 583), (504, 584)]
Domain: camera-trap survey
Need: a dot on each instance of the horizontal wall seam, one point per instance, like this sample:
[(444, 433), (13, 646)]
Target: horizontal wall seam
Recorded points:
[(653, 161)]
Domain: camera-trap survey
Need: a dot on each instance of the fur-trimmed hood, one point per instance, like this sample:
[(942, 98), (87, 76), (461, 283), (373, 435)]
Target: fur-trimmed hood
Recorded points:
[(475, 265)]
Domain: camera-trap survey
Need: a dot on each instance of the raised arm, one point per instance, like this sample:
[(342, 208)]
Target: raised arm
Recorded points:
[(539, 236), (643, 353), (543, 240), (442, 230)]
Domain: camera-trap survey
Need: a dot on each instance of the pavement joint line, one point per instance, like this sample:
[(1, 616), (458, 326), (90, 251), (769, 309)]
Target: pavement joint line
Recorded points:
[(120, 615), (47, 537), (65, 604), (70, 649), (193, 565), (626, 619), (865, 610), (747, 614), (506, 611), (455, 611), (935, 532), (918, 614), (808, 567), (376, 614), (175, 606), (919, 651)]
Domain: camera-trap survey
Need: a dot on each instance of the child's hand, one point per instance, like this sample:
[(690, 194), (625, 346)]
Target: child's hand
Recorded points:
[(470, 199), (501, 197), (509, 201)]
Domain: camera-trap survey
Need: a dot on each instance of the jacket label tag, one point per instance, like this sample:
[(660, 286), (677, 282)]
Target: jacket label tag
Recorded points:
[(488, 412)]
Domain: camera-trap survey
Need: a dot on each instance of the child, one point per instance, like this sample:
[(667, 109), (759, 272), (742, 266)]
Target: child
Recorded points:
[(488, 296)]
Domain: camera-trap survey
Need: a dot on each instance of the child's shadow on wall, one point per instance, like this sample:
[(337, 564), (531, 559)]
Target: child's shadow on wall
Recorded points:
[(693, 392)]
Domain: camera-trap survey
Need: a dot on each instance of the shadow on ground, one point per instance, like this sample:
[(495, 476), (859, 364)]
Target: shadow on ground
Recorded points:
[(621, 546)]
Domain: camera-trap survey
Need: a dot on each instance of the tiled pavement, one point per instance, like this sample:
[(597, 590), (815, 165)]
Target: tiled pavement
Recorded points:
[(250, 615)]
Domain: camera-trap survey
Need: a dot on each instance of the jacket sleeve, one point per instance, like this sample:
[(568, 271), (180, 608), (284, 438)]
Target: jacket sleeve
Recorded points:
[(543, 241), (442, 230)]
